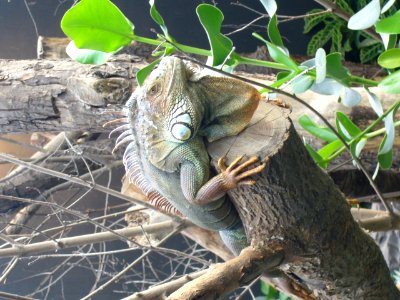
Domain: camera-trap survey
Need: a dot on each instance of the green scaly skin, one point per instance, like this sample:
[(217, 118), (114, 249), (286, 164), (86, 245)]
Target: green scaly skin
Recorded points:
[(169, 118)]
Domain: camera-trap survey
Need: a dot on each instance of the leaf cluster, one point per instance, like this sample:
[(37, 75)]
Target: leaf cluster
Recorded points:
[(333, 30)]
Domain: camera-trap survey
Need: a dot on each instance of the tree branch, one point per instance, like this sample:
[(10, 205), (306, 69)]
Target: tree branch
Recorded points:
[(226, 277), (85, 239)]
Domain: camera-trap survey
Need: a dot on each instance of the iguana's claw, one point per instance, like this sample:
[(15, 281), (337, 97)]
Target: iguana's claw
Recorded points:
[(233, 175)]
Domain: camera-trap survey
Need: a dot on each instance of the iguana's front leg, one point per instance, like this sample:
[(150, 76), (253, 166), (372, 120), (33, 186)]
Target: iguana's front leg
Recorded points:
[(229, 178)]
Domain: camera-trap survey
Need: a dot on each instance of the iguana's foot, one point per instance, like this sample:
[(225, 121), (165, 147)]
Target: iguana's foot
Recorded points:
[(234, 175)]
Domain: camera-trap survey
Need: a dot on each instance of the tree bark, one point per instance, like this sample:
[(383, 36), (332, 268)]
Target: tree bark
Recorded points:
[(61, 95), (296, 207)]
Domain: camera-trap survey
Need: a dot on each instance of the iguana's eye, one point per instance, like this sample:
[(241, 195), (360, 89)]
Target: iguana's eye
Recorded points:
[(181, 131), (154, 89)]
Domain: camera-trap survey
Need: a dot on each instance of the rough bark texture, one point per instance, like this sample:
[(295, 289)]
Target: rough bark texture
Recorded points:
[(62, 95), (296, 206), (228, 276)]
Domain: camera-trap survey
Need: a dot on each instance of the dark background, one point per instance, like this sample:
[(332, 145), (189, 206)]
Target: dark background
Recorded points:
[(18, 34)]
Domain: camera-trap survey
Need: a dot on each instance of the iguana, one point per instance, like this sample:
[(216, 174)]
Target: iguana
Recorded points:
[(168, 119)]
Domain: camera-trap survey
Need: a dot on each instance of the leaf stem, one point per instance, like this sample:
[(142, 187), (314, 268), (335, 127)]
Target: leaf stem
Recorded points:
[(366, 130), (364, 81), (184, 48), (239, 58), (261, 63)]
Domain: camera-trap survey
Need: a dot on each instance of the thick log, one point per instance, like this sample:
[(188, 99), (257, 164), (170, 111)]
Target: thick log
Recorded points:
[(61, 95), (296, 207)]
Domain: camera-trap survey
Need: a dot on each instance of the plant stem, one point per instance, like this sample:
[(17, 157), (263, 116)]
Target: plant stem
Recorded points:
[(363, 81), (262, 63), (241, 59), (366, 130), (379, 131), (184, 48)]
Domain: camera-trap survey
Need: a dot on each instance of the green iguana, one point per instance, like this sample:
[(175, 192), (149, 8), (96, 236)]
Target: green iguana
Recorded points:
[(168, 118)]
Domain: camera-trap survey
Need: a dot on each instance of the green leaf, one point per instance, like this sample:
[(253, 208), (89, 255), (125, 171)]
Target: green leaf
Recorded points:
[(370, 53), (346, 128), (283, 79), (374, 102), (97, 25), (387, 6), (320, 65), (268, 290), (211, 18), (344, 4), (278, 54), (301, 84), (311, 19), (270, 6), (326, 151), (350, 97), (321, 37), (282, 75), (359, 146), (273, 32), (390, 134), (337, 38), (335, 69), (390, 59), (313, 128), (366, 17), (391, 84), (328, 87), (142, 74), (385, 159), (316, 157), (367, 43), (155, 15), (87, 56), (389, 25)]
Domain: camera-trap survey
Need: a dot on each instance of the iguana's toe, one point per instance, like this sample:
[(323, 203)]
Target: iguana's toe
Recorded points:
[(234, 163), (251, 172), (234, 175)]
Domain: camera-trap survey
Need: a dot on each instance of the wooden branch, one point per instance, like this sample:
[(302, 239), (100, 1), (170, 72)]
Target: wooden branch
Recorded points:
[(84, 239), (61, 95), (296, 206), (375, 220), (158, 291), (226, 277)]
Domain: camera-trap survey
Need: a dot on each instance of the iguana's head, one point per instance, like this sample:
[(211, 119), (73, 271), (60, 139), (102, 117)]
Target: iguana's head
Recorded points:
[(163, 114), (170, 101)]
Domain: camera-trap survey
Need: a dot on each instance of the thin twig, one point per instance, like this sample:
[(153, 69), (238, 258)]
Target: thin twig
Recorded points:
[(165, 288), (8, 296), (8, 269), (85, 239), (245, 26), (130, 266), (74, 213), (139, 198)]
